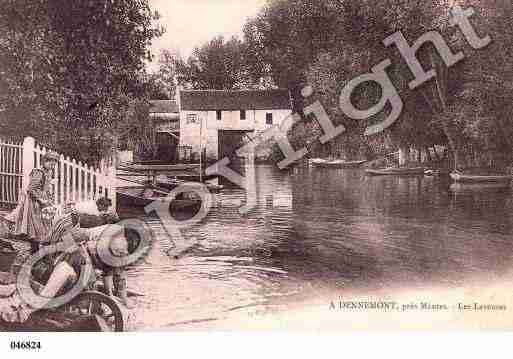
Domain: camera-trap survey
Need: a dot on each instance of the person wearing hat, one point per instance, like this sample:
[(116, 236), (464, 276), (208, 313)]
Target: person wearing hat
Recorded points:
[(69, 265), (91, 243), (30, 223), (103, 215)]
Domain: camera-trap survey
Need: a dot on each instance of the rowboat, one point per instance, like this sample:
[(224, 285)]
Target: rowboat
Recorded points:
[(172, 183), (439, 172), (338, 164), (481, 187), (396, 171), (465, 178), (186, 172), (133, 201), (314, 161), (431, 173), (150, 167)]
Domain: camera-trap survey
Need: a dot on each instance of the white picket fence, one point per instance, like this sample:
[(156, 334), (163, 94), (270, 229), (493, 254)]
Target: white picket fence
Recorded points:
[(73, 181), (11, 171)]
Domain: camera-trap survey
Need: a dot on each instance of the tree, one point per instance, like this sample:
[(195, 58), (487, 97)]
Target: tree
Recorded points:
[(326, 44), (217, 65), (329, 42), (138, 130), (70, 68), (286, 37), (484, 102), (162, 83)]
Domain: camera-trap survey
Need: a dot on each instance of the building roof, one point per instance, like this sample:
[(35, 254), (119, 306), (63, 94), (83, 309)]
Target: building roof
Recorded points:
[(208, 100), (164, 106)]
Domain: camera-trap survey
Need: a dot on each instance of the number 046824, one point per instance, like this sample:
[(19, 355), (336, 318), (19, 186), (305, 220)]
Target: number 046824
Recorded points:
[(20, 345)]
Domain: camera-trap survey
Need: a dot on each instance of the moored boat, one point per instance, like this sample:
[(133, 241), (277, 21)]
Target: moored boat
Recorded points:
[(438, 172), (338, 164), (172, 183), (473, 178), (470, 178), (479, 187), (185, 172), (133, 200), (396, 171), (312, 162)]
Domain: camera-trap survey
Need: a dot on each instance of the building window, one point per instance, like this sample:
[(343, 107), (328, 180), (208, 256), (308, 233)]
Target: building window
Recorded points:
[(242, 115), (268, 118), (192, 118), (219, 115)]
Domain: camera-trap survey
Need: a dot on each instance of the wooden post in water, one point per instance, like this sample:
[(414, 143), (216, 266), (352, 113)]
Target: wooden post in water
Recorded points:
[(403, 155)]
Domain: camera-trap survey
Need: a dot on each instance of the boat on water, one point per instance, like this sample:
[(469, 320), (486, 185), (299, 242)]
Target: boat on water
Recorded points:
[(336, 163), (170, 184), (133, 200), (314, 161), (396, 171), (482, 187), (185, 172), (432, 173), (437, 172), (471, 178)]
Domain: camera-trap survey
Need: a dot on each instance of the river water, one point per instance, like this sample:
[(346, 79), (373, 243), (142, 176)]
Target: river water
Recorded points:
[(318, 231)]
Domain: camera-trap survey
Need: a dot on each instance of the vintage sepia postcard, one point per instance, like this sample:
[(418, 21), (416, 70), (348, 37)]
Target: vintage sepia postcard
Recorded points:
[(256, 165)]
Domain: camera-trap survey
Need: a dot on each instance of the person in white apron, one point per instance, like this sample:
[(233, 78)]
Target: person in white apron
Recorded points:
[(30, 222)]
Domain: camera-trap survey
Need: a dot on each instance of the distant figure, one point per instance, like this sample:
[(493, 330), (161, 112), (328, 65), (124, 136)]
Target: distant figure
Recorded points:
[(5, 227), (104, 215), (30, 222)]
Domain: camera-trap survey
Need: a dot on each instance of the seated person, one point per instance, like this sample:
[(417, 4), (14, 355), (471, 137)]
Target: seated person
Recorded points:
[(71, 223), (114, 278), (68, 267), (67, 223), (64, 224), (104, 214), (6, 227)]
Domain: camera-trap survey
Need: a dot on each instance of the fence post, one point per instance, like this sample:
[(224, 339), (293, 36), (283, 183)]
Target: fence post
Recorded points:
[(109, 173), (29, 145), (62, 197), (113, 183)]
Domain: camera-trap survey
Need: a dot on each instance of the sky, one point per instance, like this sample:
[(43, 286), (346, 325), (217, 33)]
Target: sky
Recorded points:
[(190, 23)]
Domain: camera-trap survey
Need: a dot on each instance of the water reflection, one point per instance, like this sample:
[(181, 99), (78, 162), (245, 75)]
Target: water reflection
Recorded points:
[(326, 229)]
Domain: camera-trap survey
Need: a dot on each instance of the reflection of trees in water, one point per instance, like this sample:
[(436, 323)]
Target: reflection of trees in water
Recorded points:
[(391, 229), (324, 188), (351, 189), (490, 207)]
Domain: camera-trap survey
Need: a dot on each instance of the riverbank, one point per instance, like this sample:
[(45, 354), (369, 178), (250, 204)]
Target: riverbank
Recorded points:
[(485, 305)]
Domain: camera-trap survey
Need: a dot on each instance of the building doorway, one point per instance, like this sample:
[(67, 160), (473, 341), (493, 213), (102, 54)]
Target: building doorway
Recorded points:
[(167, 148)]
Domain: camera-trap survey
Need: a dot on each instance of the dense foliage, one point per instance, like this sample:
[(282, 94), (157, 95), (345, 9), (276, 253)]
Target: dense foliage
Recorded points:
[(218, 65), (73, 70), (326, 43)]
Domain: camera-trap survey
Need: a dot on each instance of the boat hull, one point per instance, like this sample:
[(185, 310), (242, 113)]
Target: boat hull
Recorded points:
[(462, 178), (186, 172), (482, 187), (171, 185), (338, 164), (131, 201), (396, 172)]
